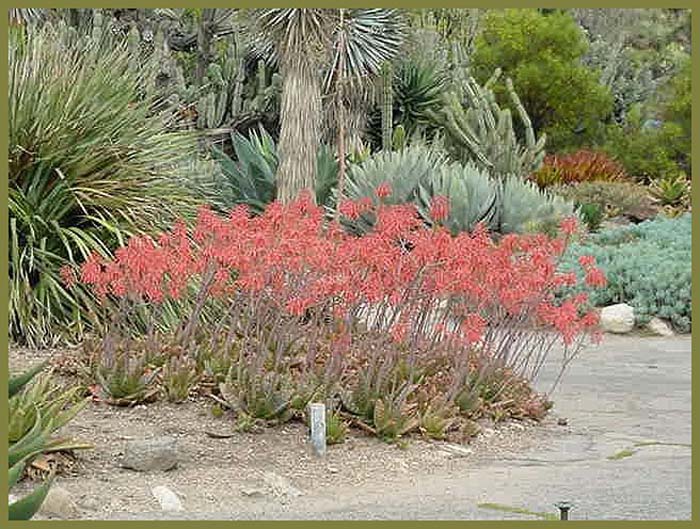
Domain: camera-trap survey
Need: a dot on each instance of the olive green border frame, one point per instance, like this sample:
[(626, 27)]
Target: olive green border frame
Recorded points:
[(688, 4)]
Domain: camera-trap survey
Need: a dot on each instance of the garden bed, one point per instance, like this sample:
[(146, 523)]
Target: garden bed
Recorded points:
[(236, 472)]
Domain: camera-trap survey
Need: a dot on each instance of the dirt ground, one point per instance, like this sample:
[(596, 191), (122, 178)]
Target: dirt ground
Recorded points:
[(235, 472)]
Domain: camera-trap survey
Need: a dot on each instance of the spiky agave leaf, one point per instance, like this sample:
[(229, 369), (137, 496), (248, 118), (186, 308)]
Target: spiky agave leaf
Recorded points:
[(527, 208), (473, 197), (17, 382)]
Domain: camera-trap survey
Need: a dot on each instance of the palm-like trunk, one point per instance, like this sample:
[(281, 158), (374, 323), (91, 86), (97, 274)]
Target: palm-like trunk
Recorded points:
[(300, 115)]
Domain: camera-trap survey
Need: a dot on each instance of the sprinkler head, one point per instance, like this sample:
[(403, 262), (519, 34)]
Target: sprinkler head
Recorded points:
[(564, 507)]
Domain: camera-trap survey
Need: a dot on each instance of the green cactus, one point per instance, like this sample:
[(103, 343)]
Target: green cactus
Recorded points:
[(478, 130)]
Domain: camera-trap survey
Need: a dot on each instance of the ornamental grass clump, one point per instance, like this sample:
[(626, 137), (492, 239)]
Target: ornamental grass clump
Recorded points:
[(406, 310)]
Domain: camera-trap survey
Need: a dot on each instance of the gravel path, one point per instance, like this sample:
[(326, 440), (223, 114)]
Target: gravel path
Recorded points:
[(624, 454)]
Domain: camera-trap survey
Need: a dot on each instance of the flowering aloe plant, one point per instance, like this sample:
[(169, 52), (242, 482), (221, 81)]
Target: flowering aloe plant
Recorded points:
[(301, 291)]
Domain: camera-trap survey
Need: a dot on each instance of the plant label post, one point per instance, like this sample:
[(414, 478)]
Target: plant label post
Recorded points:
[(317, 420)]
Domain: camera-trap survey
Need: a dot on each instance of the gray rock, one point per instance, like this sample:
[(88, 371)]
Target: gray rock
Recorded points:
[(58, 504), (617, 319), (167, 498), (659, 327), (151, 454)]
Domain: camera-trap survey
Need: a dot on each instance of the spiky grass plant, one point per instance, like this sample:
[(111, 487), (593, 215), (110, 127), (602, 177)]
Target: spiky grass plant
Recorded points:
[(89, 163)]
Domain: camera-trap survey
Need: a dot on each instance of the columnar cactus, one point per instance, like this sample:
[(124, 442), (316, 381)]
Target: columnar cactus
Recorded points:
[(479, 130)]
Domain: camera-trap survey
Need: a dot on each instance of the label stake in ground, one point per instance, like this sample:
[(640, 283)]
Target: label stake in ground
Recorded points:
[(317, 420)]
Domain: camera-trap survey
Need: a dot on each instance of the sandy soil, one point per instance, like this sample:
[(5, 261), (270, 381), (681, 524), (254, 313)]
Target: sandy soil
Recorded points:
[(235, 471)]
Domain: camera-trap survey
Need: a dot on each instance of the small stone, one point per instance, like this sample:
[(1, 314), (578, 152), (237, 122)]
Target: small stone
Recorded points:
[(456, 450), (659, 327), (617, 319), (252, 492), (562, 421), (90, 503), (280, 485), (167, 498), (58, 504), (150, 454)]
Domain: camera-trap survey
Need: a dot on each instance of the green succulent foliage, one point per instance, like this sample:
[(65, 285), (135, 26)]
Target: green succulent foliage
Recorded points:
[(43, 398), (250, 176), (418, 89), (261, 395), (89, 163), (25, 508), (478, 130), (526, 208), (417, 174), (647, 265), (33, 437)]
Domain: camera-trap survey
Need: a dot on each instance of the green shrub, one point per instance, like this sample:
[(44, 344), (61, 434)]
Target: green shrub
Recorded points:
[(647, 266), (417, 174), (89, 162), (542, 55), (647, 153)]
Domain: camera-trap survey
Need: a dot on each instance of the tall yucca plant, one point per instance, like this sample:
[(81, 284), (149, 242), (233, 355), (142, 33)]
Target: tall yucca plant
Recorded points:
[(349, 45), (296, 39), (88, 163), (363, 41)]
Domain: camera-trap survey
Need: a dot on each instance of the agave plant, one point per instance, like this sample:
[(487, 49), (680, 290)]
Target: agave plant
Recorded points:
[(89, 163), (47, 417), (251, 178), (418, 174), (419, 87), (672, 192), (45, 401)]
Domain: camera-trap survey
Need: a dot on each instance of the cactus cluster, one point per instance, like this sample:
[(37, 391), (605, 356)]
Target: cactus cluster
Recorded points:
[(477, 129), (225, 92)]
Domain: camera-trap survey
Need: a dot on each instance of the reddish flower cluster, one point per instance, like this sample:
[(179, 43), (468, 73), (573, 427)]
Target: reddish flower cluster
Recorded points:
[(292, 258)]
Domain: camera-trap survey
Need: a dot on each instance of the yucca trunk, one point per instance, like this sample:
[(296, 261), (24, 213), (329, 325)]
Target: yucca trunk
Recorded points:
[(300, 116), (387, 105)]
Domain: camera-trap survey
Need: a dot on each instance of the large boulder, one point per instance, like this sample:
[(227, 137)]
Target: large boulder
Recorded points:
[(617, 319)]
